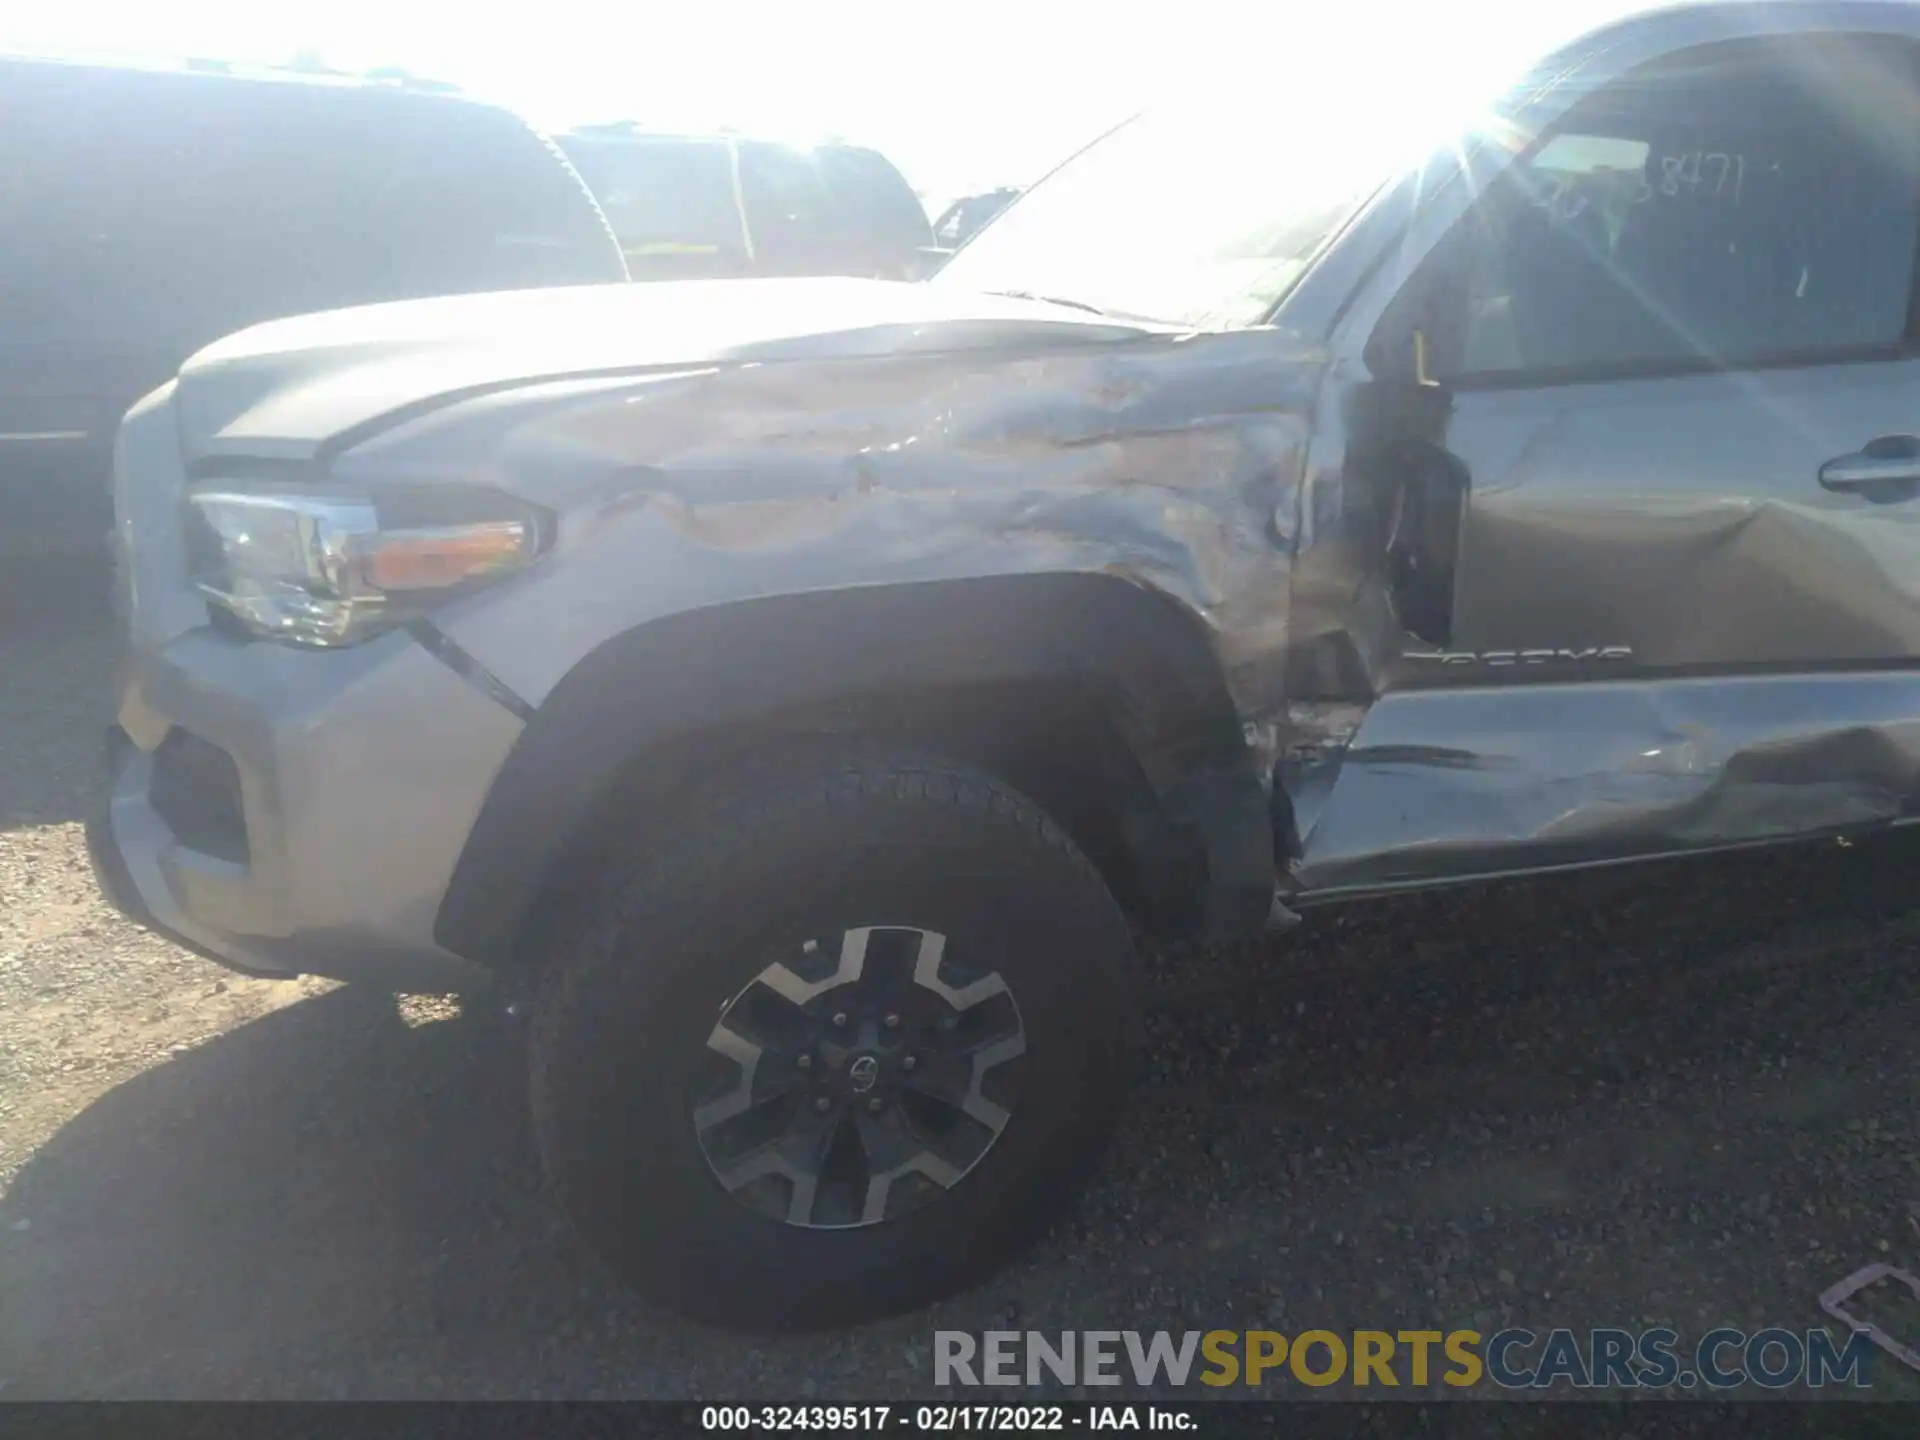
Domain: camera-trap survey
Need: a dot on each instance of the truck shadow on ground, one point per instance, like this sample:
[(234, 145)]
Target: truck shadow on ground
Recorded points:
[(1439, 1111)]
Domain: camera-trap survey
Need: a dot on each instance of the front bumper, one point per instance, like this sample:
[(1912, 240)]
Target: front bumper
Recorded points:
[(282, 811), (355, 777), (116, 880)]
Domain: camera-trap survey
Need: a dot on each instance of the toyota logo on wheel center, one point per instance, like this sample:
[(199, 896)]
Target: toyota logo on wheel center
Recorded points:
[(862, 1073)]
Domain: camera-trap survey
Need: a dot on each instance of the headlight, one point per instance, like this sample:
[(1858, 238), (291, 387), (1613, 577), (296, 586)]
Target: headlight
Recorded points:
[(332, 570)]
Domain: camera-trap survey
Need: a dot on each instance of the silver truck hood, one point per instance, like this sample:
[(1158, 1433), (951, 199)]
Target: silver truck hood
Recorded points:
[(285, 388)]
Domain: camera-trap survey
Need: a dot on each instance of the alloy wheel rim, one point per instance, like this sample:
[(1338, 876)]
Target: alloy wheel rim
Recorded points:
[(858, 1079)]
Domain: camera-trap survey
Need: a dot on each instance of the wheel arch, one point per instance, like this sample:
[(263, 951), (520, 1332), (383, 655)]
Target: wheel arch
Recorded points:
[(1076, 662)]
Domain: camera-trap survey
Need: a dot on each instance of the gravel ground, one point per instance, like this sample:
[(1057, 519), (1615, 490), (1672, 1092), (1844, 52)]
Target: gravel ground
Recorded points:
[(1681, 1094)]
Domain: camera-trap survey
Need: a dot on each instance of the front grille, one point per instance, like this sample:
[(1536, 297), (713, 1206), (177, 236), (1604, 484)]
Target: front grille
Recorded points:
[(196, 790)]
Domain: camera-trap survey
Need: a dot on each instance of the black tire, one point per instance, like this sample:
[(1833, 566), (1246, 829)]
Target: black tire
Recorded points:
[(644, 972)]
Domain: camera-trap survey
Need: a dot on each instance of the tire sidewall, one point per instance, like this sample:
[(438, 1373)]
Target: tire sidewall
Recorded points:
[(619, 1038)]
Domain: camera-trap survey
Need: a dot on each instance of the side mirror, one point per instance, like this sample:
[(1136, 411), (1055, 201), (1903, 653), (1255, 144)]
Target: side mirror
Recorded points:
[(1402, 350), (927, 260), (1422, 367)]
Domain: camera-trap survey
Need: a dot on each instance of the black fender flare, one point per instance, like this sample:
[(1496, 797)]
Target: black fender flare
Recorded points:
[(746, 661)]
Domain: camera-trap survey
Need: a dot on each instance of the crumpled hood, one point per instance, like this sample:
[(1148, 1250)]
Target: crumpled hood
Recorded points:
[(286, 388)]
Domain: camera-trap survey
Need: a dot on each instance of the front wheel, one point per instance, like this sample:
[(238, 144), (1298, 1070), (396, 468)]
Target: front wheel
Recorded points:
[(843, 1047)]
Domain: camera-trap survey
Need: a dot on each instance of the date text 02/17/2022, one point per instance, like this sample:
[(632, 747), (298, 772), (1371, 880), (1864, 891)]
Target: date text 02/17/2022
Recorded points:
[(945, 1419)]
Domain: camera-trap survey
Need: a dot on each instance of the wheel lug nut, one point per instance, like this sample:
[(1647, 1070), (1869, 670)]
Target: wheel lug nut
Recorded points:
[(893, 1022), (909, 1063), (822, 1104), (840, 1019), (805, 1062), (876, 1105)]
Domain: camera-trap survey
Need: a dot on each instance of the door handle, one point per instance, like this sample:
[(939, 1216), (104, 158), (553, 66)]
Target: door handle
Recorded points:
[(1890, 460)]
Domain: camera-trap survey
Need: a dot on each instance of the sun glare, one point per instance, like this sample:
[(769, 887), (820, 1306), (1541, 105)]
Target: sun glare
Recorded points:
[(963, 99)]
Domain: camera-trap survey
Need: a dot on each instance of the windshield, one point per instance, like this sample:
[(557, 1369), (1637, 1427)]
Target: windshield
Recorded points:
[(1205, 213), (1175, 216)]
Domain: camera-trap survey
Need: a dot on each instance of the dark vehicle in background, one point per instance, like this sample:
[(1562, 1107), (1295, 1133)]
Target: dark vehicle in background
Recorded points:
[(710, 206), (961, 220), (149, 211)]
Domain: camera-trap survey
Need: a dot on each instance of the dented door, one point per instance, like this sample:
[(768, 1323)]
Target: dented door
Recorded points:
[(1675, 350), (1688, 406)]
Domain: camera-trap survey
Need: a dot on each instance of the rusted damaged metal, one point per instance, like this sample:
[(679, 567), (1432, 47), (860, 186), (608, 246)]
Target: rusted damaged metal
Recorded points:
[(1833, 1300)]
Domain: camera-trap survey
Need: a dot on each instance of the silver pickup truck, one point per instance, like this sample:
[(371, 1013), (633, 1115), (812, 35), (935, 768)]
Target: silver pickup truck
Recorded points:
[(804, 693)]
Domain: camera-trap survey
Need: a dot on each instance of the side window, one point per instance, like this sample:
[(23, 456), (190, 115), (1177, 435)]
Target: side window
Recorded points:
[(947, 229), (451, 196), (1747, 203), (789, 207), (878, 213), (664, 195)]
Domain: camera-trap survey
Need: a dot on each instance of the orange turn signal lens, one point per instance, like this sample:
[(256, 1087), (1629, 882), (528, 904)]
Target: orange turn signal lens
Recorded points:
[(399, 560)]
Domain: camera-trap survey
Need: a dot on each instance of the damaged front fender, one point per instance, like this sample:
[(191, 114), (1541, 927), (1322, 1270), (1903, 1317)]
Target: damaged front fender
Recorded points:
[(1171, 463), (751, 541)]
